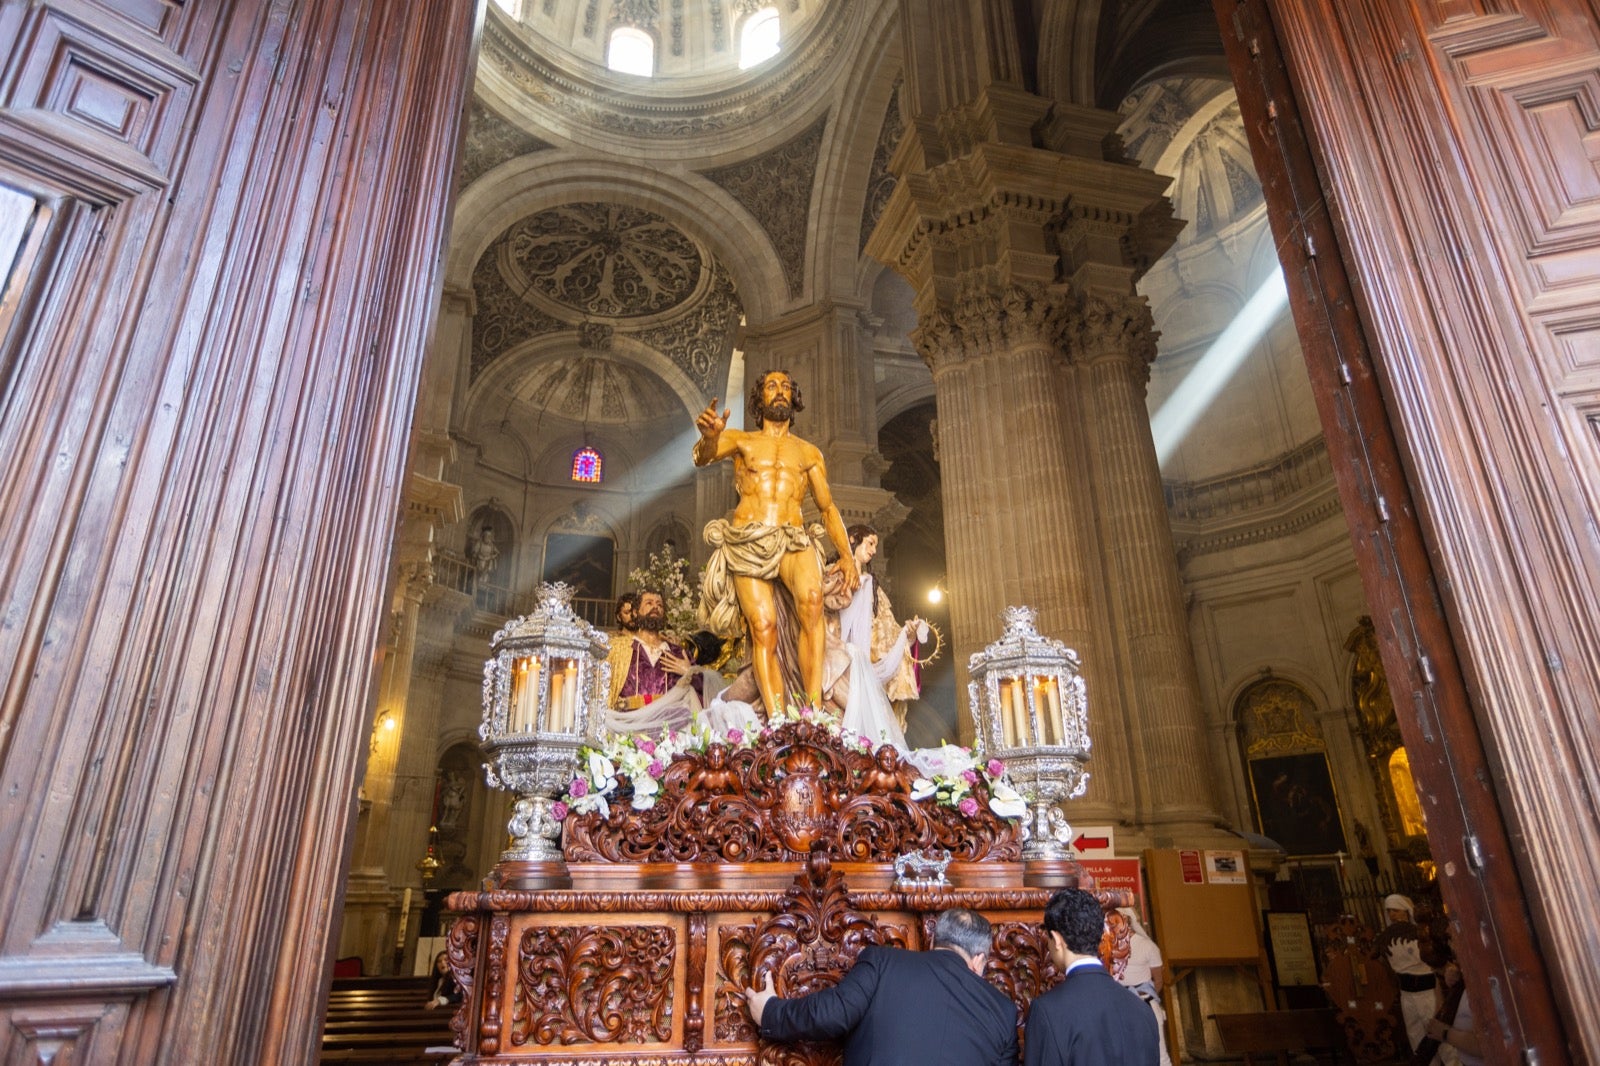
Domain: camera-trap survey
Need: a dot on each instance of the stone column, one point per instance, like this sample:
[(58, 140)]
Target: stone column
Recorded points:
[(1166, 724), (1051, 489)]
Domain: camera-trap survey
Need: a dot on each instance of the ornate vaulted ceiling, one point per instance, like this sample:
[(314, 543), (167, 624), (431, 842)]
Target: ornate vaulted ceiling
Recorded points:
[(586, 279)]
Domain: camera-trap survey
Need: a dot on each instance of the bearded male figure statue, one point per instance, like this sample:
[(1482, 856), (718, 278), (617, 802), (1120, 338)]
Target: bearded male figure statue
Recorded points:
[(764, 549)]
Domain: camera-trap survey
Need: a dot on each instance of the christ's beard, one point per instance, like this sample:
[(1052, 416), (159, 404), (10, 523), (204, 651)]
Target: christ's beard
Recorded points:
[(655, 623), (778, 411)]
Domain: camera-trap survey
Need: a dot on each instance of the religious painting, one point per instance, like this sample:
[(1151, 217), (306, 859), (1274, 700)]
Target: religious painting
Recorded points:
[(1295, 803), (583, 562)]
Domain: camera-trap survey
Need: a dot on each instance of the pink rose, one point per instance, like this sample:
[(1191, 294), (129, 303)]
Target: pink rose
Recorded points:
[(996, 768), (578, 789), (866, 744), (968, 807), (558, 811), (646, 745), (970, 776), (735, 736), (655, 768)]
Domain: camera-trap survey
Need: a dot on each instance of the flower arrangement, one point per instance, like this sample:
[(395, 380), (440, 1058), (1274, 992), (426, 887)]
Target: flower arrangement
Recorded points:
[(668, 573), (947, 773)]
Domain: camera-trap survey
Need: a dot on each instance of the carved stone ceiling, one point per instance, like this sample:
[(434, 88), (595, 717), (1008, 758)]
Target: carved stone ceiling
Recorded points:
[(596, 390), (602, 278), (1215, 180), (695, 39)]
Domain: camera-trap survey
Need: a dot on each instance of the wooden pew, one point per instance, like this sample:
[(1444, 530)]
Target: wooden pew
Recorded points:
[(1280, 1032), (385, 1020)]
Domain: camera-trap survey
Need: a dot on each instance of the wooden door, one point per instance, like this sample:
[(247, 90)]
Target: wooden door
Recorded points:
[(1430, 168), (219, 229)]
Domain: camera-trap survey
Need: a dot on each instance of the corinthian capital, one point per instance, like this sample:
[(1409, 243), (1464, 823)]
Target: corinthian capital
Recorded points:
[(988, 319), (1117, 327)]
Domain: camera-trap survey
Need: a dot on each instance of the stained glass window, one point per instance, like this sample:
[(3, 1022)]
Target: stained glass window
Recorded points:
[(587, 464)]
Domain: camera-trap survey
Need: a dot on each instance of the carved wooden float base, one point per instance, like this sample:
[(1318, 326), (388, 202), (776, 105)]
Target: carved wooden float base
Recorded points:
[(652, 975)]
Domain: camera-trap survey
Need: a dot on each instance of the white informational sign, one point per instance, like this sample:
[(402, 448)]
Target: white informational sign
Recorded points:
[(1093, 841), (1226, 868)]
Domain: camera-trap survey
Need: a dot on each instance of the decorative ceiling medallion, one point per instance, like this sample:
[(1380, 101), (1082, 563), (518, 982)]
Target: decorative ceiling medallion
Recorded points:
[(608, 260)]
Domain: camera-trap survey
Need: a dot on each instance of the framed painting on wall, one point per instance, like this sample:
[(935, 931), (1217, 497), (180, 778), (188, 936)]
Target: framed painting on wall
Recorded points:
[(1295, 803)]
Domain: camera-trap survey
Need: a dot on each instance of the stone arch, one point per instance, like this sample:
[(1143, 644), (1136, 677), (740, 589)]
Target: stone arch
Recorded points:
[(1286, 758), (543, 180)]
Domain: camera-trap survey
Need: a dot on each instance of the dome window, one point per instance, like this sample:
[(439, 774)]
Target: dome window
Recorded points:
[(587, 465), (758, 38), (631, 51)]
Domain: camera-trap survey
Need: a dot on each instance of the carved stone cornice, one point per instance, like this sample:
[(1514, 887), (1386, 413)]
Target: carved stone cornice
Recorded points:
[(989, 320)]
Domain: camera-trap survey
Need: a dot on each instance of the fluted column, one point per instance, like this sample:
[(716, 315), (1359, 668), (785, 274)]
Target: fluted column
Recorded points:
[(1115, 345), (1011, 466)]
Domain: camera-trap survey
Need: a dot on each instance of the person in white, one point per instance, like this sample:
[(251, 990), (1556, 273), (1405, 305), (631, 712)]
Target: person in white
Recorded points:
[(1399, 945), (1139, 970)]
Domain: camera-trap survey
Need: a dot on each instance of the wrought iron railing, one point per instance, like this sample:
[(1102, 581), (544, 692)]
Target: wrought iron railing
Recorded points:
[(455, 572)]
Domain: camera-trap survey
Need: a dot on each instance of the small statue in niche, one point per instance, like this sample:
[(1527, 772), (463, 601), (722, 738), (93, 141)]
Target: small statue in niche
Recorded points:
[(452, 797), (484, 553)]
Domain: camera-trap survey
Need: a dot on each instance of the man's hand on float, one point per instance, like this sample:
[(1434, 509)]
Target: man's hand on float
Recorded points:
[(709, 423), (675, 664), (756, 998)]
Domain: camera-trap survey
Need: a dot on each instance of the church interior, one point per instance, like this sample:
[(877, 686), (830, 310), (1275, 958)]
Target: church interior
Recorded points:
[(1091, 315)]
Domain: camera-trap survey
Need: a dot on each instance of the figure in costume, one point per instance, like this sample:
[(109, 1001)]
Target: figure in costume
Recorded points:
[(766, 564), (866, 620), (652, 678)]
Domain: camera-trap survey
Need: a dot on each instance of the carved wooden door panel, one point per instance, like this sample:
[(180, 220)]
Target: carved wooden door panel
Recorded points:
[(219, 224), (1431, 172)]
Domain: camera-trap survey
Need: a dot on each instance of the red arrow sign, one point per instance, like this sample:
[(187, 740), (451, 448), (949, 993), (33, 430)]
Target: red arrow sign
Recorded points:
[(1088, 843)]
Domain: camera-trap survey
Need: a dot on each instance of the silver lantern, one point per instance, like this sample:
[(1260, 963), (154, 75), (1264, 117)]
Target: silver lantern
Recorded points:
[(1029, 710), (544, 697)]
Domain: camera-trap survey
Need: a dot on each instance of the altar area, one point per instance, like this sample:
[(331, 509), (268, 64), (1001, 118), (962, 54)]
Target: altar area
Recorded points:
[(651, 879)]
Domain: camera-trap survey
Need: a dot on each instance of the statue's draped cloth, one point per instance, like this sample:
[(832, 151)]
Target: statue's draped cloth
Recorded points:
[(755, 551)]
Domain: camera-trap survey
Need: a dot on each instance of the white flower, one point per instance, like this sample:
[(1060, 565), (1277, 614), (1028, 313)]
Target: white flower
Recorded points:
[(602, 773), (645, 790), (1006, 801), (922, 788)]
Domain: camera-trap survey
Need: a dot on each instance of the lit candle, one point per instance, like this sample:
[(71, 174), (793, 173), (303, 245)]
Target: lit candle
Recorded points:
[(558, 684), (1019, 715), (1050, 710), (524, 694), (569, 699)]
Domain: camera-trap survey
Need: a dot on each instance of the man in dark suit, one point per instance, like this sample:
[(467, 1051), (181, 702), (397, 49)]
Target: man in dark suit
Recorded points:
[(1088, 1019), (932, 1008)]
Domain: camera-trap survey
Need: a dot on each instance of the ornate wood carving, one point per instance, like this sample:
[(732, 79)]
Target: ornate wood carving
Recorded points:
[(1019, 964), (772, 802), (461, 951), (1363, 992), (546, 901), (807, 946), (694, 1015), (593, 984), (494, 975)]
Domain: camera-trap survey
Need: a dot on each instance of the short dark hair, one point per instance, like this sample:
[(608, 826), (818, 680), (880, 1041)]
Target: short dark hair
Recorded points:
[(796, 404), (964, 929), (1078, 917), (627, 599)]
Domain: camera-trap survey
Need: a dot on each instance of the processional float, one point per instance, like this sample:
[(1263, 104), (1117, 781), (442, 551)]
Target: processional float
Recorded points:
[(650, 880)]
